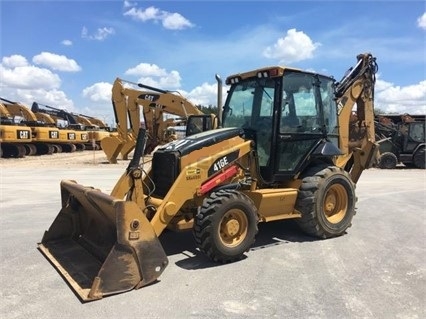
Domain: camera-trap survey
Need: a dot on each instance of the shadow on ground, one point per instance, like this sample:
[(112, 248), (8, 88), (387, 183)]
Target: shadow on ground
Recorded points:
[(270, 234)]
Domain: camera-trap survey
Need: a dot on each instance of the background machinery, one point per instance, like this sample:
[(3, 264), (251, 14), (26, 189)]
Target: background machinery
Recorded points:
[(15, 139), (90, 130), (402, 140), (70, 131), (44, 137), (128, 103), (96, 128), (288, 148)]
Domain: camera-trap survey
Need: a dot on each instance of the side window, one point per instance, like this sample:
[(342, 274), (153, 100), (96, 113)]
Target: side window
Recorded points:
[(329, 105), (267, 106), (417, 132), (298, 108)]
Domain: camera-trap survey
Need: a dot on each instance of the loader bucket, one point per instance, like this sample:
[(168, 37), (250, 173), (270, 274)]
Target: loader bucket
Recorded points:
[(112, 145), (102, 245)]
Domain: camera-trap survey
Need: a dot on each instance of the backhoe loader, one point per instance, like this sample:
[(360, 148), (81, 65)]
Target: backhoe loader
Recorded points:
[(402, 140), (155, 103), (288, 148)]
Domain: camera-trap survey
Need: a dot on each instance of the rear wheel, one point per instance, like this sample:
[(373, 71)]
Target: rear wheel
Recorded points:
[(419, 158), (326, 201), (225, 226), (388, 160)]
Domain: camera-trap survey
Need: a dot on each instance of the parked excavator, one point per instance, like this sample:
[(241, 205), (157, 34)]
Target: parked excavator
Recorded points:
[(15, 139), (70, 130), (402, 140), (156, 103), (44, 137), (95, 133), (287, 148)]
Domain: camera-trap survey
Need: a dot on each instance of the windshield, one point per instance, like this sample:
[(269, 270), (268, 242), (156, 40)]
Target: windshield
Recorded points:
[(249, 101), (305, 103)]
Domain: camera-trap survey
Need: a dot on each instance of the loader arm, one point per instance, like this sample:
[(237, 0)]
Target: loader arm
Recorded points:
[(357, 133)]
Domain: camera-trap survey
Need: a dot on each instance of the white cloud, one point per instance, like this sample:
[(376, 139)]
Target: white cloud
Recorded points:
[(295, 46), (153, 75), (146, 69), (28, 77), (14, 61), (100, 34), (205, 95), (421, 21), (128, 4), (396, 99), (98, 92), (27, 83), (66, 42), (56, 62), (175, 21), (169, 20)]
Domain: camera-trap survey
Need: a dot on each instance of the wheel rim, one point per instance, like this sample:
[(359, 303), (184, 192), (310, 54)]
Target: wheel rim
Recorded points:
[(233, 228), (335, 203)]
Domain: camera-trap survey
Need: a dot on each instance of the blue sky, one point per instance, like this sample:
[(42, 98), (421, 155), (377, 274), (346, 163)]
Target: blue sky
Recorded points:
[(68, 53)]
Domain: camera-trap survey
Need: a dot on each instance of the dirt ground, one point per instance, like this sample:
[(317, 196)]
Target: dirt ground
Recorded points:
[(74, 159)]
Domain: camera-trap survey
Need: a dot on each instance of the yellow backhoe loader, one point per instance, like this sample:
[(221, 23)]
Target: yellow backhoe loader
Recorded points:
[(287, 148), (155, 104)]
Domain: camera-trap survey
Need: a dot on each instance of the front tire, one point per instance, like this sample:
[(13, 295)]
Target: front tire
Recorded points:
[(326, 201), (225, 226), (388, 160)]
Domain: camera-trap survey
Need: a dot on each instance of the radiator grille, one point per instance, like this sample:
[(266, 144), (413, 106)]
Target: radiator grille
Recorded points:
[(165, 169)]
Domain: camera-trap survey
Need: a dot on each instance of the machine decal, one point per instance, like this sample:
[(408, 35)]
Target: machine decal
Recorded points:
[(149, 97), (23, 134), (54, 134), (222, 162), (193, 173)]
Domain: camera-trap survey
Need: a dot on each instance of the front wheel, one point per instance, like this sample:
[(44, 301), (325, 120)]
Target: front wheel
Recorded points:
[(388, 160), (226, 225), (326, 201)]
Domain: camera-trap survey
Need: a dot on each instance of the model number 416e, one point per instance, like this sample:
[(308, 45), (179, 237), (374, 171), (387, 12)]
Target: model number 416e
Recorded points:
[(221, 163)]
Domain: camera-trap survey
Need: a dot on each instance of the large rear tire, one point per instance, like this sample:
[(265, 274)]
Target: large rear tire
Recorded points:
[(225, 226), (419, 158), (326, 201)]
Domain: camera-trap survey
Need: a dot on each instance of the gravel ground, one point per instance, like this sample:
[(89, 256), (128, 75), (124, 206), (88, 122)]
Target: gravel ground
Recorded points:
[(75, 159)]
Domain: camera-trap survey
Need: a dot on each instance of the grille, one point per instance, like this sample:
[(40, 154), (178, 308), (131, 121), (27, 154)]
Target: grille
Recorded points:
[(165, 169)]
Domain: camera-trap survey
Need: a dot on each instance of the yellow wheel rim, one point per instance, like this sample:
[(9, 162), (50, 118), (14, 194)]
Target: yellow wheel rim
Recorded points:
[(335, 203), (233, 228)]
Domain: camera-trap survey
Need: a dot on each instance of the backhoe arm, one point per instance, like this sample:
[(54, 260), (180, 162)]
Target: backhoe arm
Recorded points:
[(357, 136)]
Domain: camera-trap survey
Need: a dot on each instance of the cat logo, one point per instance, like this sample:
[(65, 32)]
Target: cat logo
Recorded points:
[(193, 173)]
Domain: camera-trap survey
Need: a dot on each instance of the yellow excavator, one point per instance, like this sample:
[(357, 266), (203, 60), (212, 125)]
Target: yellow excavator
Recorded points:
[(96, 129), (155, 103), (15, 139), (71, 133), (44, 137), (288, 148)]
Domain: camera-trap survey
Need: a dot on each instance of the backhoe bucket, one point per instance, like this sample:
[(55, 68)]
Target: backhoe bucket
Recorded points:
[(102, 245)]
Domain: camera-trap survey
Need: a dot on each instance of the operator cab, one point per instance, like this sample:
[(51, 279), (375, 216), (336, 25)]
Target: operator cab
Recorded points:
[(291, 115)]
